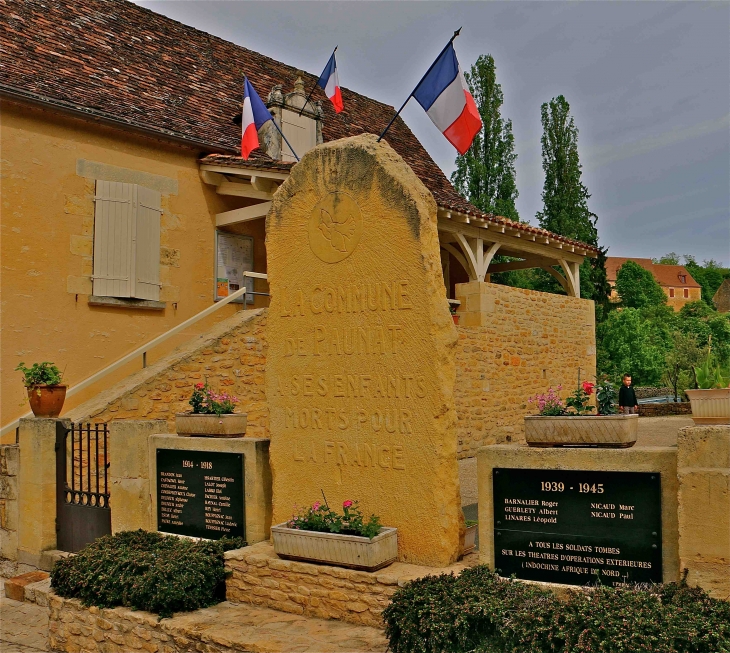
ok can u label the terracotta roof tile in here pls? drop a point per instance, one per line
(114, 58)
(666, 275)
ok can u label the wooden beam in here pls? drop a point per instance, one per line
(534, 262)
(241, 190)
(457, 255)
(212, 178)
(243, 172)
(561, 279)
(263, 184)
(245, 214)
(522, 245)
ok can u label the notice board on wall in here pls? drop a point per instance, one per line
(233, 257)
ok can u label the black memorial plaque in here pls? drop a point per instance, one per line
(570, 527)
(200, 493)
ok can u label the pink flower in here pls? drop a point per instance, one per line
(316, 505)
(347, 504)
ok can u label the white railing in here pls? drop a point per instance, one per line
(142, 351)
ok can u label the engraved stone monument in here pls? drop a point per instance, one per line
(360, 371)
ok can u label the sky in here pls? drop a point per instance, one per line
(648, 85)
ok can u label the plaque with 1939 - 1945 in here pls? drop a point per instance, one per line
(578, 527)
(200, 493)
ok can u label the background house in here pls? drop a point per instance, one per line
(676, 282)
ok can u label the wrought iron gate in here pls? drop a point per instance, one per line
(82, 488)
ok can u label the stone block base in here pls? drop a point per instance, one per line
(260, 577)
(15, 587)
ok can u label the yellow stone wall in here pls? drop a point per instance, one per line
(231, 357)
(513, 344)
(48, 166)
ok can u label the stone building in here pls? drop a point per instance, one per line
(676, 282)
(118, 122)
(721, 298)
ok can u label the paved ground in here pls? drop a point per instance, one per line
(23, 626)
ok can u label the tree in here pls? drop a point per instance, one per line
(668, 259)
(485, 175)
(564, 196)
(679, 361)
(709, 275)
(637, 287)
(631, 343)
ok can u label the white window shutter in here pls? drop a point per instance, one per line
(114, 235)
(147, 277)
(301, 131)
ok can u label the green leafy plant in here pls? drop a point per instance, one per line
(471, 522)
(321, 518)
(580, 397)
(606, 397)
(711, 375)
(145, 570)
(44, 373)
(206, 402)
(478, 611)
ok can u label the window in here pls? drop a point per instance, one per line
(683, 278)
(126, 241)
(671, 292)
(686, 293)
(301, 132)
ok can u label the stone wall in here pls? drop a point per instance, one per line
(231, 357)
(670, 408)
(513, 344)
(259, 577)
(9, 465)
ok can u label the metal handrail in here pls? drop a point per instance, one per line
(144, 348)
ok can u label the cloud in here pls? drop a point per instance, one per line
(603, 155)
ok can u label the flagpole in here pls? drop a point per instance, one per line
(273, 119)
(392, 120)
(315, 85)
(277, 127)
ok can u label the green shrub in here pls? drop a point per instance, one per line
(145, 571)
(478, 612)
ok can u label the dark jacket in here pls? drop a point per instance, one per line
(627, 396)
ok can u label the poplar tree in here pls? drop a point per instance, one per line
(565, 196)
(485, 175)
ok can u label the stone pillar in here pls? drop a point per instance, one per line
(477, 303)
(703, 461)
(131, 496)
(9, 463)
(37, 489)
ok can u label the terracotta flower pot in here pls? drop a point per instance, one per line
(455, 317)
(46, 400)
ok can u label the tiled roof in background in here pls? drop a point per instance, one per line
(666, 275)
(117, 59)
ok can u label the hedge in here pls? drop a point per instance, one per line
(479, 612)
(146, 571)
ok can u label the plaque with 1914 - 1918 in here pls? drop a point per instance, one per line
(200, 493)
(578, 527)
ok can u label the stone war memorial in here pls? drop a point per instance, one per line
(360, 370)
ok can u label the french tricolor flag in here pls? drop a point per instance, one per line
(254, 115)
(330, 82)
(444, 95)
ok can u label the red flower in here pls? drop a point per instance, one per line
(588, 387)
(347, 504)
(199, 386)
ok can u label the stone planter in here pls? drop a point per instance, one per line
(232, 425)
(352, 551)
(710, 406)
(470, 539)
(46, 400)
(588, 430)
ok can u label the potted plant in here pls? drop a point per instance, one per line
(470, 536)
(46, 394)
(212, 415)
(320, 534)
(711, 400)
(572, 422)
(454, 314)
